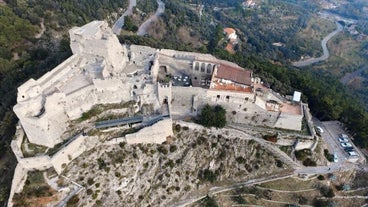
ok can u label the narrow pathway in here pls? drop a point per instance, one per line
(287, 191)
(43, 29)
(142, 30)
(326, 53)
(116, 28)
(272, 148)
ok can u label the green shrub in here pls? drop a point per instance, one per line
(170, 163)
(117, 174)
(207, 175)
(90, 181)
(122, 144)
(271, 138)
(321, 177)
(89, 192)
(240, 160)
(73, 202)
(327, 192)
(309, 162)
(279, 163)
(162, 149)
(213, 116)
(238, 199)
(209, 202)
(302, 154)
(177, 127)
(173, 148)
(187, 188)
(328, 156)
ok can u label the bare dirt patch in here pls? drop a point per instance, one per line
(185, 35)
(157, 29)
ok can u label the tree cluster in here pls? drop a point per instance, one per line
(213, 116)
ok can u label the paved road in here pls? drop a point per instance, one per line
(120, 22)
(326, 53)
(142, 30)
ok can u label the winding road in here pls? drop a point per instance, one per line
(120, 22)
(326, 53)
(142, 30)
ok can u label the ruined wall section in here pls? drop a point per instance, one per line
(67, 154)
(41, 116)
(19, 179)
(97, 38)
(156, 133)
(230, 96)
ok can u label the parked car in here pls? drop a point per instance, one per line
(353, 154)
(319, 130)
(349, 149)
(335, 158)
(345, 144)
(343, 139)
(344, 136)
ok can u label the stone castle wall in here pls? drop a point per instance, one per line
(230, 96)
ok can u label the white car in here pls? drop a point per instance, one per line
(335, 158)
(345, 144)
(319, 130)
(344, 136)
(353, 154)
(343, 139)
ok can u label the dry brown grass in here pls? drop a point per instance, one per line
(184, 35)
(291, 184)
(317, 29)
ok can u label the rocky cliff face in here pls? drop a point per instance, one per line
(189, 163)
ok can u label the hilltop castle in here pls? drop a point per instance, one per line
(102, 71)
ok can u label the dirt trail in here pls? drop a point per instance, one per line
(43, 29)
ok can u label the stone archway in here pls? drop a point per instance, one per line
(203, 67)
(209, 68)
(196, 66)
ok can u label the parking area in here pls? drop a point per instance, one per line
(339, 144)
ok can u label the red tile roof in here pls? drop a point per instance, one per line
(236, 75)
(229, 30)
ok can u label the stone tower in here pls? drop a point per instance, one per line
(96, 38)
